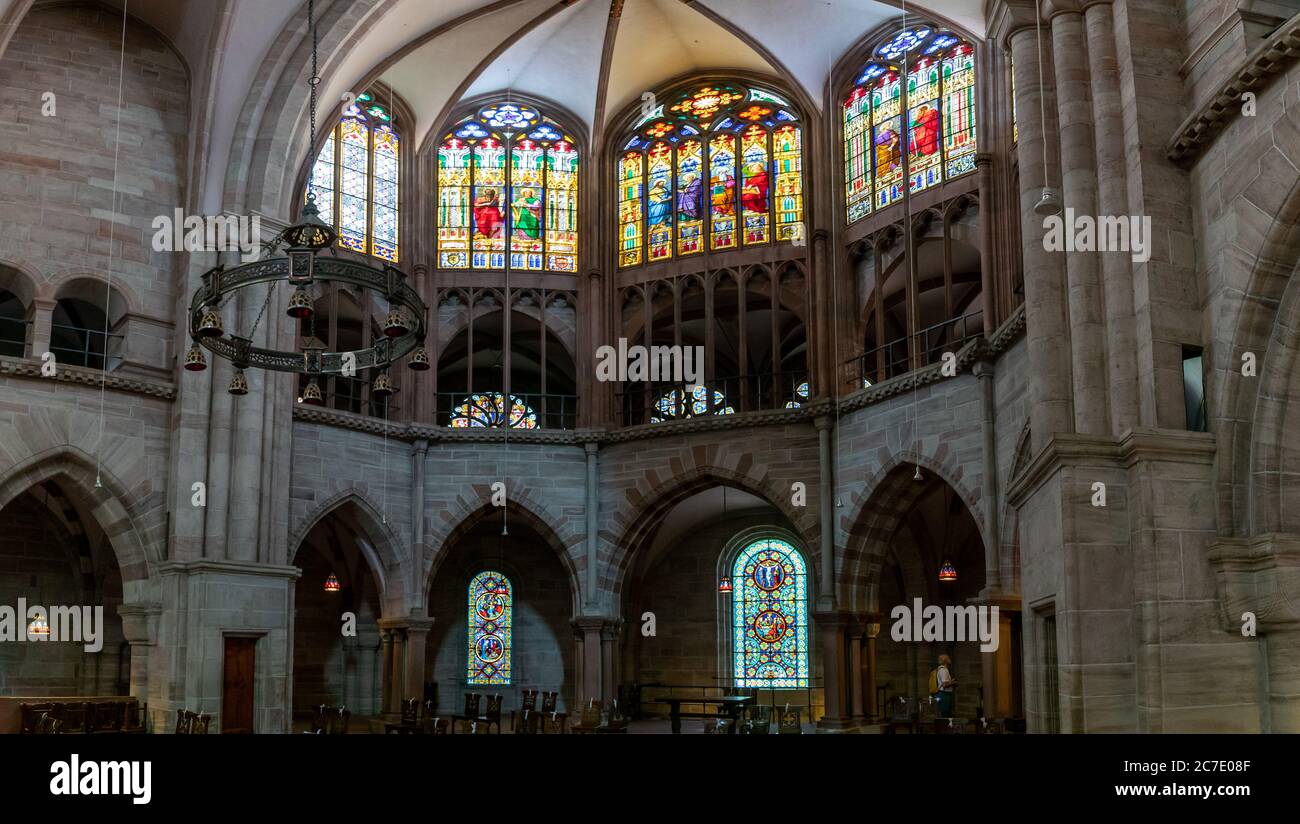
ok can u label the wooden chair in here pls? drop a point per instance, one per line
(528, 704)
(615, 721)
(492, 715)
(182, 722)
(199, 723)
(74, 717)
(31, 715)
(473, 701)
(47, 724)
(589, 721)
(553, 721)
(528, 723)
(407, 723)
(331, 720)
(106, 717)
(791, 722)
(947, 726)
(133, 715)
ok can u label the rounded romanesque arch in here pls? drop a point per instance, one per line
(877, 512)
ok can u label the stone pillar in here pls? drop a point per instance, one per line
(417, 633)
(42, 326)
(855, 672)
(593, 532)
(140, 629)
(1079, 194)
(386, 670)
(873, 710)
(397, 675)
(983, 370)
(579, 668)
(1051, 408)
(830, 626)
(419, 450)
(1112, 199)
(592, 667)
(609, 637)
(826, 493)
(988, 283)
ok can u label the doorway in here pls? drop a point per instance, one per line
(237, 686)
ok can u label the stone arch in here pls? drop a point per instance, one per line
(20, 278)
(558, 532)
(383, 550)
(877, 512)
(102, 497)
(636, 522)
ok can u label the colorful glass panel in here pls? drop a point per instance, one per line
(385, 193)
(677, 404)
(629, 209)
(787, 153)
(659, 202)
(354, 184)
(454, 176)
(756, 189)
(959, 111)
(690, 198)
(722, 191)
(924, 158)
(488, 409)
(562, 207)
(491, 618)
(489, 215)
(857, 157)
(321, 184)
(770, 616)
(526, 218)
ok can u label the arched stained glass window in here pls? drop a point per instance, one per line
(675, 405)
(491, 614)
(533, 198)
(355, 179)
(940, 134)
(721, 164)
(770, 616)
(488, 409)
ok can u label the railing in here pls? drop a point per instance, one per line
(889, 360)
(659, 402)
(552, 411)
(704, 692)
(13, 336)
(91, 349)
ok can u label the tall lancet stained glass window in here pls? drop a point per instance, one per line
(770, 616)
(508, 169)
(719, 166)
(940, 132)
(491, 613)
(355, 179)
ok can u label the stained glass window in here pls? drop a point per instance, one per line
(676, 404)
(491, 610)
(533, 197)
(720, 163)
(355, 179)
(488, 409)
(940, 130)
(800, 396)
(770, 616)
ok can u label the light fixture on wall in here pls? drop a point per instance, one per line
(724, 585)
(947, 572)
(39, 627)
(332, 583)
(917, 476)
(300, 267)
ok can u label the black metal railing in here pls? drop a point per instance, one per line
(79, 346)
(13, 336)
(549, 410)
(669, 401)
(889, 360)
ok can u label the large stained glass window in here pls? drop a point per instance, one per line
(355, 179)
(770, 616)
(491, 613)
(488, 409)
(720, 164)
(531, 197)
(940, 132)
(676, 404)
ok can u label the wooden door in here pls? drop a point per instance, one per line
(237, 689)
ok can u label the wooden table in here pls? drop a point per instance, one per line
(733, 704)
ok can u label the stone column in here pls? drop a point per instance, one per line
(579, 668)
(983, 370)
(1051, 408)
(592, 667)
(140, 629)
(830, 626)
(419, 450)
(397, 676)
(826, 493)
(988, 283)
(1112, 199)
(609, 636)
(386, 671)
(593, 532)
(1079, 194)
(42, 326)
(855, 671)
(873, 711)
(417, 633)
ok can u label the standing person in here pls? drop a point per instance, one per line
(947, 686)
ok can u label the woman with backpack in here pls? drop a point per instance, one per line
(945, 686)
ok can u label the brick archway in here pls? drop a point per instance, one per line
(877, 513)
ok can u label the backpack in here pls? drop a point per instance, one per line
(934, 681)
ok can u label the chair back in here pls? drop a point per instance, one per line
(791, 722)
(527, 723)
(591, 716)
(472, 704)
(133, 715)
(337, 722)
(47, 724)
(549, 701)
(410, 711)
(182, 722)
(493, 712)
(31, 715)
(199, 723)
(528, 701)
(106, 716)
(760, 720)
